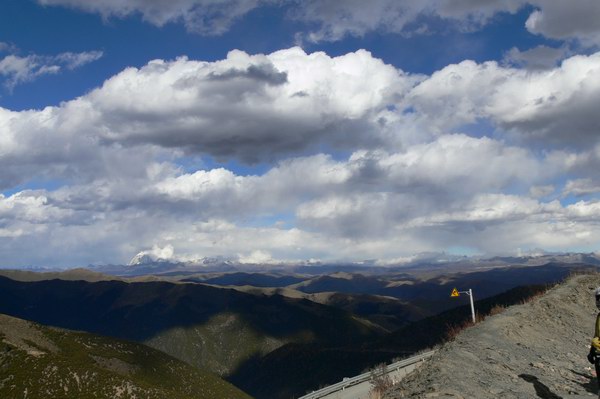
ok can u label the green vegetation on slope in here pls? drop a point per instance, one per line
(43, 362)
(212, 328)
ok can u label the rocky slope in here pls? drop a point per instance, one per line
(534, 350)
(42, 362)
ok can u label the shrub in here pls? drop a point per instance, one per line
(497, 309)
(380, 380)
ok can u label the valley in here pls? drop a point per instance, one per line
(277, 333)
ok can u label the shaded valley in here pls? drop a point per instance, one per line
(270, 339)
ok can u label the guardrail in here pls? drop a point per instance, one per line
(348, 382)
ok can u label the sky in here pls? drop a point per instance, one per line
(268, 131)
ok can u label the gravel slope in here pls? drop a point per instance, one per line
(535, 350)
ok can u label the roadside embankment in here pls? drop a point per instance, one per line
(534, 350)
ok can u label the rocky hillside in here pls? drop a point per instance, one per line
(534, 350)
(43, 362)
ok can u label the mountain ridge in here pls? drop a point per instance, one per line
(189, 321)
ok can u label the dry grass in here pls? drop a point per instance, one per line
(381, 382)
(581, 272)
(534, 296)
(497, 310)
(453, 330)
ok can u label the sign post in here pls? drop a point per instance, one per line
(456, 293)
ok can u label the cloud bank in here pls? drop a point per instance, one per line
(575, 20)
(360, 160)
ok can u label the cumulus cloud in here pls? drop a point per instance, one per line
(577, 20)
(58, 143)
(581, 187)
(541, 191)
(6, 47)
(566, 20)
(356, 18)
(348, 102)
(256, 257)
(336, 19)
(17, 69)
(208, 17)
(540, 57)
(353, 205)
(244, 107)
(157, 253)
(407, 181)
(554, 106)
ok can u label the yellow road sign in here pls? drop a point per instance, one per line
(455, 292)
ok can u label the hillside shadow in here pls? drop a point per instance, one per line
(295, 369)
(432, 294)
(141, 310)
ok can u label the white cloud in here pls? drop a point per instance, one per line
(491, 208)
(208, 17)
(566, 20)
(256, 257)
(185, 107)
(32, 208)
(552, 106)
(157, 253)
(540, 57)
(580, 187)
(541, 191)
(5, 47)
(406, 181)
(281, 103)
(76, 60)
(338, 19)
(574, 20)
(16, 69)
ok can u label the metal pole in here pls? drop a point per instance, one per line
(472, 305)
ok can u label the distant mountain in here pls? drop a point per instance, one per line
(69, 274)
(215, 328)
(42, 362)
(387, 312)
(431, 295)
(253, 279)
(420, 266)
(144, 264)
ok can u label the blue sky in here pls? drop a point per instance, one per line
(334, 131)
(130, 41)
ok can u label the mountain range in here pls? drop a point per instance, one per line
(279, 332)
